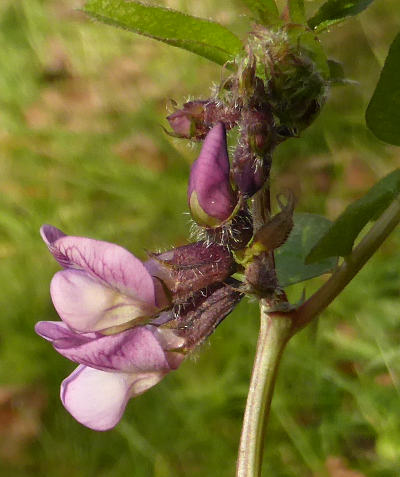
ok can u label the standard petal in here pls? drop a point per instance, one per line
(106, 262)
(97, 399)
(85, 304)
(142, 349)
(210, 194)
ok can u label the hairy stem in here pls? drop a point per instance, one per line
(350, 266)
(274, 334)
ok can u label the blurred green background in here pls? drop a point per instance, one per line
(82, 148)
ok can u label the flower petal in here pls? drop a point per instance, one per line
(50, 234)
(97, 399)
(109, 263)
(57, 331)
(85, 304)
(142, 349)
(210, 194)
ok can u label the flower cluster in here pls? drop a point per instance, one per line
(128, 323)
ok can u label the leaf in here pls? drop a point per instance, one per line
(296, 10)
(337, 76)
(266, 10)
(203, 37)
(339, 239)
(335, 11)
(383, 112)
(290, 258)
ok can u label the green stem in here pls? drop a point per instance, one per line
(350, 266)
(277, 328)
(274, 334)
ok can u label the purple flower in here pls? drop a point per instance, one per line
(112, 368)
(102, 295)
(210, 195)
(102, 285)
(114, 309)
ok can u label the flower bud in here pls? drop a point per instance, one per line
(276, 231)
(252, 161)
(197, 319)
(187, 122)
(196, 118)
(188, 269)
(210, 195)
(249, 171)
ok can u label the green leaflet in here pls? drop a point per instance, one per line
(290, 258)
(266, 11)
(339, 239)
(335, 11)
(203, 37)
(383, 112)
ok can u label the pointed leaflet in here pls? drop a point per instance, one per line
(339, 239)
(266, 10)
(335, 11)
(204, 37)
(290, 258)
(383, 112)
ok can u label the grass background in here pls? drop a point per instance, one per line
(81, 147)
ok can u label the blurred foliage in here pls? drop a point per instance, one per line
(81, 147)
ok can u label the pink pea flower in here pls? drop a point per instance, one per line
(102, 295)
(113, 308)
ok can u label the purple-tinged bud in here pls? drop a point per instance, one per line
(185, 270)
(210, 195)
(250, 172)
(196, 118)
(252, 161)
(258, 130)
(197, 319)
(187, 122)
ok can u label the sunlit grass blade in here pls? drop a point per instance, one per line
(203, 37)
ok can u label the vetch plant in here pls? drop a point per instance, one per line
(127, 323)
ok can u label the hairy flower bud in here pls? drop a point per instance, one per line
(188, 269)
(252, 161)
(210, 195)
(197, 319)
(196, 118)
(276, 231)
